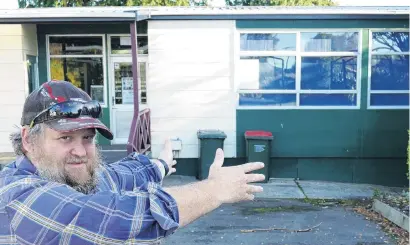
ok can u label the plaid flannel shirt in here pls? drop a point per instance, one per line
(130, 206)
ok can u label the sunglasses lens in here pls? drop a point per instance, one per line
(70, 110)
(94, 109)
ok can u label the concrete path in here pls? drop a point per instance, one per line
(299, 189)
(276, 188)
(337, 226)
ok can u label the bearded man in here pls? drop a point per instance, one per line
(59, 191)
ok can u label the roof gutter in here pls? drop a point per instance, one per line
(62, 17)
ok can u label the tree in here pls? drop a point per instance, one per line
(79, 3)
(280, 2)
(88, 3)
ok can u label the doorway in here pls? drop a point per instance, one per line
(122, 95)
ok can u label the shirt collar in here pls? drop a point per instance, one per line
(23, 163)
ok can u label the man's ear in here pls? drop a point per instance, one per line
(25, 141)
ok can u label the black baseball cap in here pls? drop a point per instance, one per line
(53, 92)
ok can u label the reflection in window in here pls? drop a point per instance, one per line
(389, 99)
(79, 60)
(328, 99)
(254, 99)
(85, 73)
(329, 73)
(389, 69)
(76, 45)
(122, 45)
(276, 72)
(390, 72)
(334, 68)
(268, 42)
(390, 42)
(330, 41)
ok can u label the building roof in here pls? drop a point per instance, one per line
(80, 14)
(98, 14)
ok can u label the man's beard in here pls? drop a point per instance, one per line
(52, 169)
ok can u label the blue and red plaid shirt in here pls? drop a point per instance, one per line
(130, 206)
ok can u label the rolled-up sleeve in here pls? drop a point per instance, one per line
(43, 212)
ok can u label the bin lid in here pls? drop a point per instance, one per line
(211, 134)
(258, 134)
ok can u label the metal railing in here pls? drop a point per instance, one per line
(139, 139)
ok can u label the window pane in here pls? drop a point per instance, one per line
(267, 99)
(268, 42)
(85, 73)
(383, 42)
(276, 72)
(122, 45)
(142, 27)
(389, 99)
(328, 99)
(390, 72)
(124, 83)
(330, 41)
(329, 73)
(76, 45)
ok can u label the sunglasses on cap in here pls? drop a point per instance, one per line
(68, 109)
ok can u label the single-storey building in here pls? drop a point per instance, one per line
(330, 83)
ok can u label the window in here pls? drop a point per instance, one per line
(389, 70)
(79, 60)
(121, 44)
(32, 72)
(300, 69)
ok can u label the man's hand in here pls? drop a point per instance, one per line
(232, 183)
(224, 185)
(168, 157)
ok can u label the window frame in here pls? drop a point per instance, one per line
(103, 56)
(299, 54)
(109, 36)
(369, 72)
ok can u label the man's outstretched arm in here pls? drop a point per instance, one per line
(224, 185)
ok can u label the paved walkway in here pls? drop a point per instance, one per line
(277, 188)
(299, 189)
(321, 225)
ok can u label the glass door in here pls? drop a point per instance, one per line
(122, 95)
(32, 72)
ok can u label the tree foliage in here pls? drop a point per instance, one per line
(280, 2)
(81, 3)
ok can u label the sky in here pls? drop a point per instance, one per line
(10, 4)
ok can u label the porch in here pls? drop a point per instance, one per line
(106, 66)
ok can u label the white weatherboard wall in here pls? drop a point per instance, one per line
(190, 82)
(16, 41)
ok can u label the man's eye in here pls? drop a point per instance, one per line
(65, 138)
(89, 137)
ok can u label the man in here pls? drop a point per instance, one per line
(58, 191)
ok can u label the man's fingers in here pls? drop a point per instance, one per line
(252, 166)
(249, 197)
(219, 158)
(254, 188)
(254, 178)
(167, 144)
(174, 162)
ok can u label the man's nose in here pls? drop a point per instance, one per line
(79, 150)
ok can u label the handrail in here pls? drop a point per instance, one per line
(139, 139)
